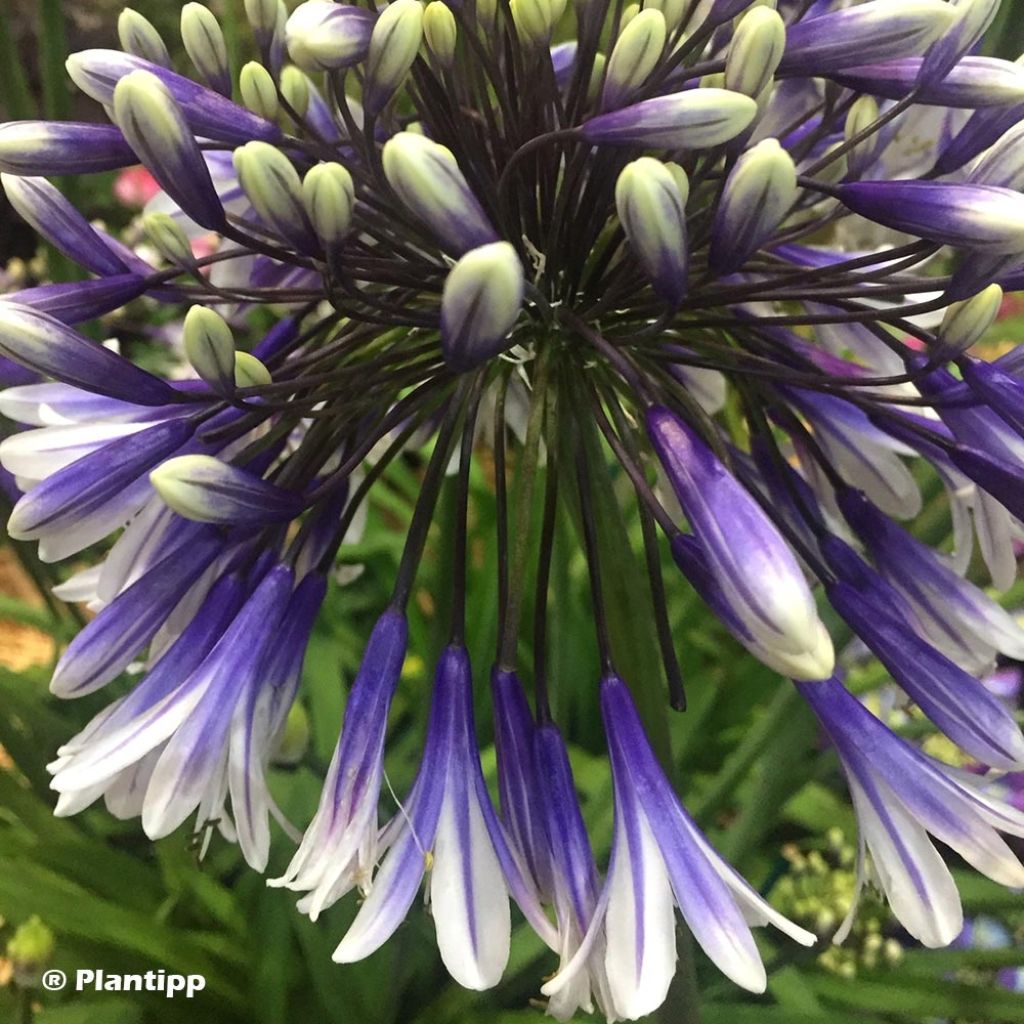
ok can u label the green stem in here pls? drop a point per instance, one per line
(527, 476)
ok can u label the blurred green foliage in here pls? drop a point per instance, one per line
(746, 756)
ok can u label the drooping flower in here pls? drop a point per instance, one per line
(659, 860)
(740, 254)
(902, 797)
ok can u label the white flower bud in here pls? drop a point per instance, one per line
(440, 32)
(635, 55)
(965, 323)
(755, 51)
(250, 372)
(295, 86)
(863, 113)
(394, 44)
(650, 208)
(324, 36)
(480, 304)
(672, 11)
(329, 197)
(139, 37)
(204, 43)
(258, 90)
(272, 185)
(210, 347)
(166, 235)
(535, 20)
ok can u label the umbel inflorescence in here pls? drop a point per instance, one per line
(802, 213)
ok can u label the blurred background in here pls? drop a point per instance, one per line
(94, 892)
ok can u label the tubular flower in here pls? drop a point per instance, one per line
(732, 257)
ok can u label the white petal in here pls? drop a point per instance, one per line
(920, 889)
(468, 894)
(639, 926)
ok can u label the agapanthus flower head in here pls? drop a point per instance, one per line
(731, 259)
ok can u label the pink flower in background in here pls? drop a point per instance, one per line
(135, 186)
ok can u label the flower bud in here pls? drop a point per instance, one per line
(879, 30)
(272, 185)
(1003, 163)
(204, 489)
(862, 115)
(29, 950)
(440, 32)
(155, 128)
(258, 90)
(755, 51)
(295, 88)
(535, 20)
(267, 19)
(42, 343)
(48, 211)
(293, 740)
(139, 36)
(210, 347)
(747, 568)
(165, 234)
(629, 12)
(635, 55)
(329, 197)
(965, 323)
(57, 147)
(694, 119)
(672, 11)
(651, 211)
(974, 217)
(759, 192)
(679, 176)
(394, 44)
(204, 43)
(971, 83)
(209, 115)
(482, 297)
(428, 181)
(324, 36)
(486, 16)
(250, 371)
(973, 18)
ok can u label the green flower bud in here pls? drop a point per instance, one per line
(758, 195)
(535, 20)
(138, 36)
(394, 44)
(635, 55)
(681, 180)
(671, 10)
(863, 113)
(267, 19)
(166, 235)
(210, 347)
(295, 88)
(965, 323)
(755, 51)
(629, 12)
(293, 741)
(204, 43)
(250, 372)
(329, 197)
(650, 210)
(157, 131)
(259, 92)
(30, 949)
(272, 185)
(487, 16)
(440, 32)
